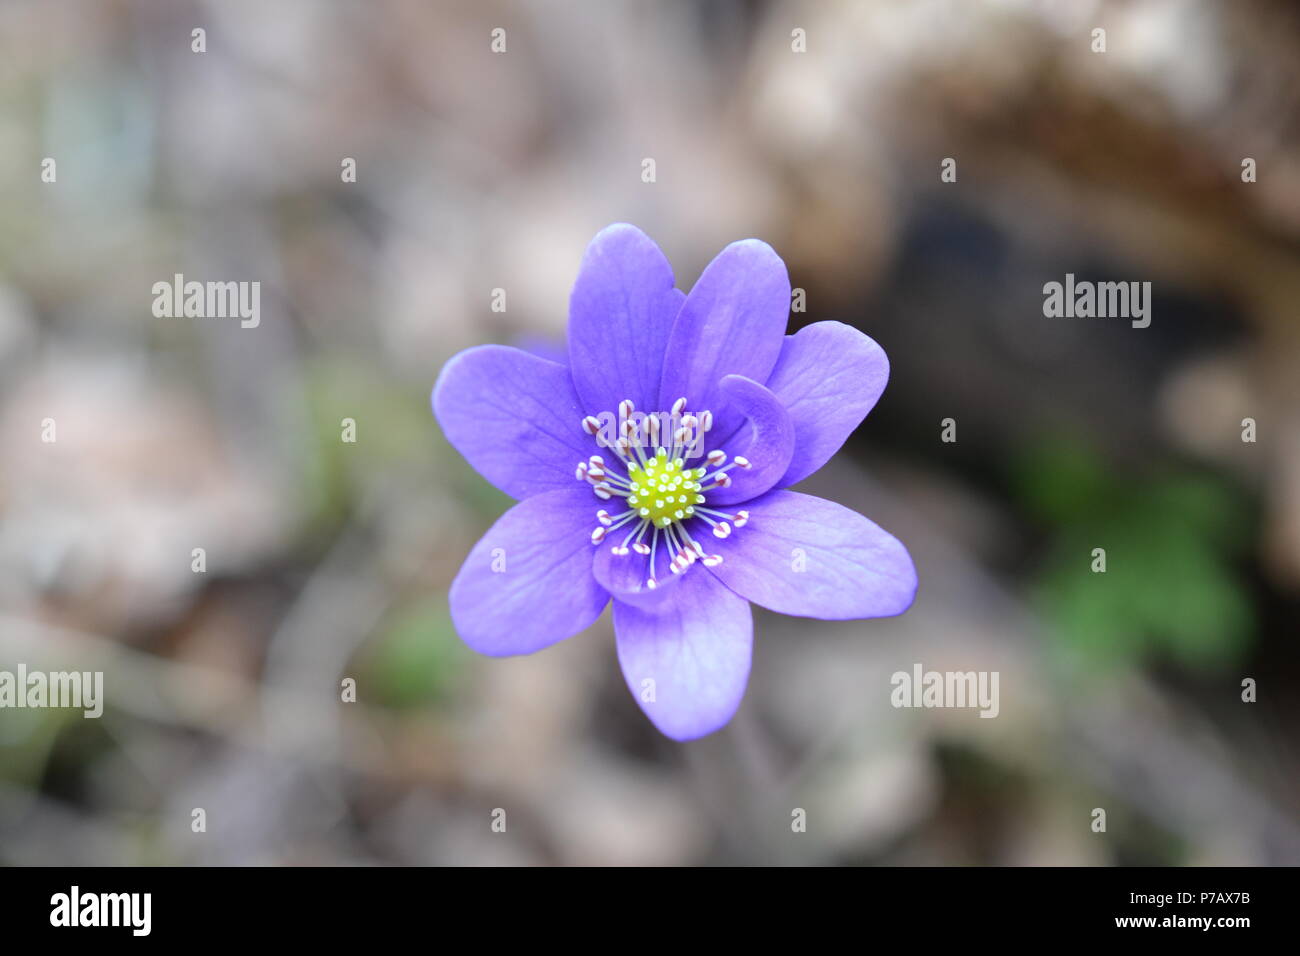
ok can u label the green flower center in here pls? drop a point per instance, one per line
(664, 492)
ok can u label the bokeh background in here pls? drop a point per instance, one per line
(477, 171)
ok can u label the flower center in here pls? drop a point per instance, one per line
(664, 491)
(665, 498)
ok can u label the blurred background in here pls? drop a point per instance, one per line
(478, 170)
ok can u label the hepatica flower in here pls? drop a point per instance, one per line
(650, 471)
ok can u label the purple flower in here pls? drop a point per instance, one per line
(650, 470)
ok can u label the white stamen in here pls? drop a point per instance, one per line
(597, 535)
(622, 519)
(634, 533)
(721, 529)
(654, 544)
(679, 405)
(591, 425)
(742, 462)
